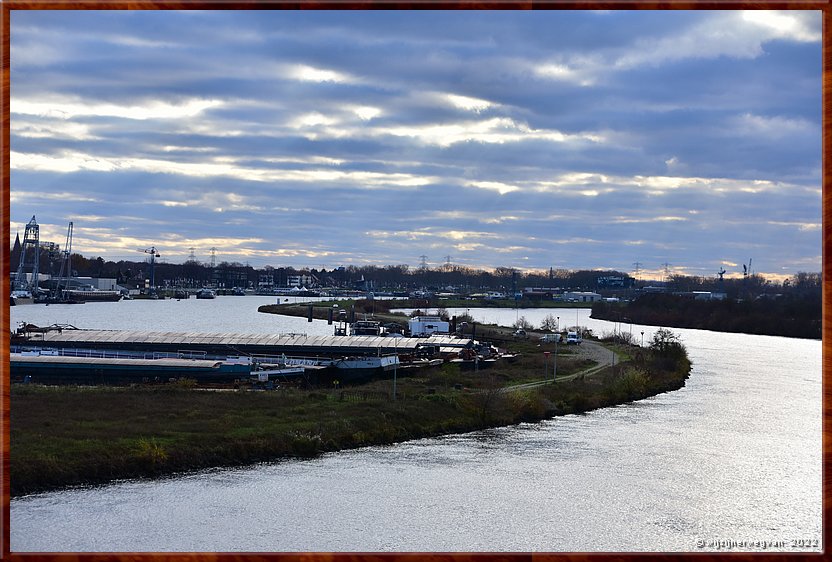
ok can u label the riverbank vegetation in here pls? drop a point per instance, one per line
(793, 315)
(63, 436)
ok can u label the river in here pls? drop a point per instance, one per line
(735, 456)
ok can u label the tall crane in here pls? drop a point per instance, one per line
(153, 255)
(31, 243)
(66, 265)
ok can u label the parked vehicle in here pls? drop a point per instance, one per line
(520, 334)
(573, 338)
(551, 338)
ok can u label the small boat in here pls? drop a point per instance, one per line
(206, 294)
(350, 368)
(365, 328)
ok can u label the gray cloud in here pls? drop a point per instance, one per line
(564, 139)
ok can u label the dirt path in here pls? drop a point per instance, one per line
(587, 350)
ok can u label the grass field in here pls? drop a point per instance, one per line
(62, 436)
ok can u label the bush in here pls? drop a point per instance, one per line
(550, 323)
(632, 385)
(523, 324)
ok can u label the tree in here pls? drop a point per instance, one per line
(667, 349)
(523, 324)
(550, 323)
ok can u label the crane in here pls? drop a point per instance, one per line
(66, 266)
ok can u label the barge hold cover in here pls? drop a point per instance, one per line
(293, 344)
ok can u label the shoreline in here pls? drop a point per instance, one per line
(68, 436)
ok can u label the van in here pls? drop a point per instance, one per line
(573, 338)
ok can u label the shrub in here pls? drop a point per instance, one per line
(550, 323)
(523, 324)
(150, 454)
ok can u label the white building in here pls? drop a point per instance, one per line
(581, 296)
(301, 280)
(427, 325)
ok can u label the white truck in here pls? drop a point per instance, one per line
(573, 338)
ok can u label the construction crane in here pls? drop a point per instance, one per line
(31, 242)
(66, 265)
(153, 255)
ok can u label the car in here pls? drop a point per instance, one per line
(520, 334)
(550, 338)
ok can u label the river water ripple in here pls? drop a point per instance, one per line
(733, 456)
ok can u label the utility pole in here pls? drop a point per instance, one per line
(666, 271)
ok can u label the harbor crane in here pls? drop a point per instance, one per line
(30, 249)
(65, 275)
(154, 253)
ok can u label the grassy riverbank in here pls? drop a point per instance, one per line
(63, 436)
(787, 316)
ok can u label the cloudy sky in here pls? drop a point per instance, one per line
(517, 139)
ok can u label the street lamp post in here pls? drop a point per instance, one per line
(557, 339)
(555, 372)
(395, 365)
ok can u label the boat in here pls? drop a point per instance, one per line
(365, 328)
(206, 294)
(358, 367)
(79, 295)
(21, 297)
(48, 367)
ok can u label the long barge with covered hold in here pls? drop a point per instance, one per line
(345, 358)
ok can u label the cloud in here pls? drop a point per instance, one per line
(570, 139)
(152, 109)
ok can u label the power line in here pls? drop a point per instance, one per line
(666, 272)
